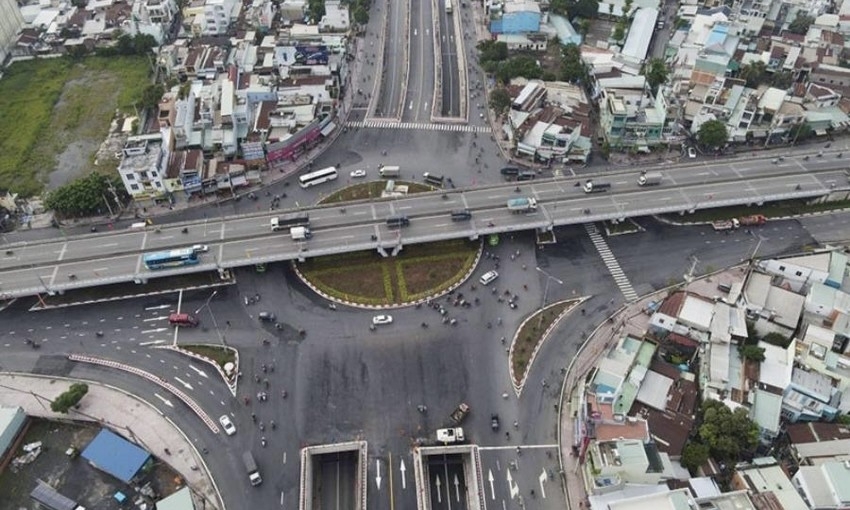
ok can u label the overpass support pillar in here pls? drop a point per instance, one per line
(397, 249)
(382, 251)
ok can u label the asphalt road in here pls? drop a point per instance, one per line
(346, 382)
(420, 85)
(396, 58)
(450, 76)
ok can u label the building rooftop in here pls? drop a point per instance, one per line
(771, 478)
(678, 499)
(813, 432)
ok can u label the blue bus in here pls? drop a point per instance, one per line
(171, 258)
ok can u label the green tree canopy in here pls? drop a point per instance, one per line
(492, 51)
(801, 24)
(500, 100)
(70, 398)
(151, 96)
(754, 73)
(585, 9)
(315, 10)
(752, 352)
(777, 339)
(361, 15)
(85, 196)
(727, 434)
(656, 74)
(713, 134)
(572, 69)
(694, 455)
(523, 65)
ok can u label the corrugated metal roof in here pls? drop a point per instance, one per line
(115, 455)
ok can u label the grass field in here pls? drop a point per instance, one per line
(46, 105)
(420, 270)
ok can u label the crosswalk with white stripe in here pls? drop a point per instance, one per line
(424, 126)
(611, 262)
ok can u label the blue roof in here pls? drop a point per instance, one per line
(115, 455)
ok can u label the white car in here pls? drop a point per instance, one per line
(358, 173)
(200, 248)
(227, 425)
(382, 319)
(488, 277)
(692, 153)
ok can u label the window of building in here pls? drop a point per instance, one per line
(799, 273)
(131, 177)
(782, 268)
(134, 187)
(153, 173)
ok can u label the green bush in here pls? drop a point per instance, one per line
(70, 398)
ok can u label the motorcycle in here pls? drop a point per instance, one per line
(263, 442)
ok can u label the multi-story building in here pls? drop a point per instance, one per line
(11, 21)
(217, 16)
(144, 163)
(628, 115)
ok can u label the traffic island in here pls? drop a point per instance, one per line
(418, 273)
(530, 336)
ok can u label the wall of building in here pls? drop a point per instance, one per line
(10, 22)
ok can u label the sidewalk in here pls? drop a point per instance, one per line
(123, 413)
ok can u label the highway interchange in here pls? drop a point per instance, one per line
(346, 382)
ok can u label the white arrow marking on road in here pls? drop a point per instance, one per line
(164, 400)
(541, 479)
(513, 488)
(157, 330)
(439, 491)
(403, 477)
(457, 490)
(155, 342)
(378, 477)
(158, 307)
(490, 479)
(184, 383)
(158, 318)
(199, 371)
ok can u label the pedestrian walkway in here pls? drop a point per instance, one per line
(123, 413)
(611, 263)
(424, 126)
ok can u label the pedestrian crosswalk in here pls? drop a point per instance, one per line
(424, 126)
(611, 262)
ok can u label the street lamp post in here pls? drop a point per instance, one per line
(549, 279)
(212, 316)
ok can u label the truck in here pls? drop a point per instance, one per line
(460, 412)
(596, 187)
(522, 204)
(281, 223)
(649, 179)
(725, 224)
(753, 220)
(450, 435)
(251, 468)
(300, 233)
(388, 172)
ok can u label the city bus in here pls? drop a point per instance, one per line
(171, 258)
(448, 6)
(318, 177)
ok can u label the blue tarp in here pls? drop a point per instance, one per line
(115, 455)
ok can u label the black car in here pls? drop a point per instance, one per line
(267, 316)
(494, 421)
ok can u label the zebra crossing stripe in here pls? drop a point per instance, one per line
(383, 124)
(611, 263)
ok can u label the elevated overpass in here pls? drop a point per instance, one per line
(115, 257)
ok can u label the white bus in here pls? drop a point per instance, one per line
(448, 6)
(318, 177)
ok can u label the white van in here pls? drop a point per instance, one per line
(488, 277)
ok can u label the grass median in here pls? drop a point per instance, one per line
(531, 334)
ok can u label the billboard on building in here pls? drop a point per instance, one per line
(311, 55)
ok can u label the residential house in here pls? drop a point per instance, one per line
(516, 17)
(144, 163)
(218, 15)
(336, 18)
(768, 484)
(774, 375)
(825, 486)
(629, 116)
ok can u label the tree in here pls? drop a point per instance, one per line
(801, 132)
(754, 73)
(361, 15)
(559, 6)
(492, 51)
(523, 65)
(752, 352)
(619, 32)
(694, 455)
(585, 9)
(70, 398)
(500, 100)
(777, 339)
(656, 74)
(572, 69)
(713, 134)
(801, 24)
(151, 96)
(85, 196)
(315, 10)
(584, 27)
(627, 8)
(782, 80)
(727, 434)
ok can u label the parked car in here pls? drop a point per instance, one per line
(382, 319)
(692, 153)
(267, 317)
(227, 425)
(358, 173)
